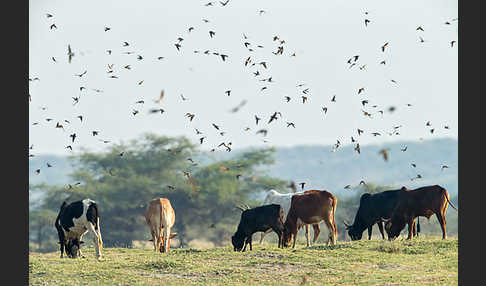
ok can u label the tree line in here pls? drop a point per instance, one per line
(124, 178)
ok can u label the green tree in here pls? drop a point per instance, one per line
(126, 177)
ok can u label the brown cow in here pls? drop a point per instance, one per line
(424, 201)
(160, 217)
(312, 207)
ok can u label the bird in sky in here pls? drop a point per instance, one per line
(290, 124)
(161, 96)
(190, 116)
(257, 119)
(81, 74)
(384, 153)
(384, 46)
(70, 54)
(156, 110)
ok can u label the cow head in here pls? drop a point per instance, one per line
(394, 226)
(287, 237)
(353, 232)
(237, 242)
(72, 247)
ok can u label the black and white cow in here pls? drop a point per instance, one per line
(73, 221)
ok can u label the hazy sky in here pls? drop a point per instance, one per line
(323, 34)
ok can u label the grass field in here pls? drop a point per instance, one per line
(422, 261)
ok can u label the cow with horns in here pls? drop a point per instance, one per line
(424, 201)
(73, 221)
(373, 208)
(274, 197)
(257, 219)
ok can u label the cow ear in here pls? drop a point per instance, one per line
(403, 189)
(81, 242)
(172, 235)
(150, 240)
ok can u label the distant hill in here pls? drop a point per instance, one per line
(322, 169)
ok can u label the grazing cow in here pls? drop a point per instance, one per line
(372, 209)
(311, 207)
(274, 197)
(160, 217)
(424, 201)
(74, 221)
(258, 219)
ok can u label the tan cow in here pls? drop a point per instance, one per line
(160, 217)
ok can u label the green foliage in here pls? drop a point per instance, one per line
(126, 177)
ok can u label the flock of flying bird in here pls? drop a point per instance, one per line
(255, 66)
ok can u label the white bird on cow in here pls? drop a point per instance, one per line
(284, 200)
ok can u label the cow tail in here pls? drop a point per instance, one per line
(58, 225)
(447, 197)
(61, 209)
(97, 226)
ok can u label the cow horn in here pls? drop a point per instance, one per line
(240, 208)
(347, 225)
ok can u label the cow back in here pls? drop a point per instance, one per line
(311, 206)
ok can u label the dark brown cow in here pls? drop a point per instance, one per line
(424, 201)
(312, 207)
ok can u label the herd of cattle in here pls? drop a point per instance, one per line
(284, 214)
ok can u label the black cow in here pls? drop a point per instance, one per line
(73, 221)
(260, 218)
(373, 208)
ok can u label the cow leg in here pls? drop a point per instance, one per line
(332, 231)
(63, 245)
(166, 239)
(380, 227)
(263, 235)
(370, 228)
(307, 235)
(317, 230)
(442, 222)
(96, 240)
(98, 231)
(410, 227)
(250, 239)
(244, 247)
(414, 229)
